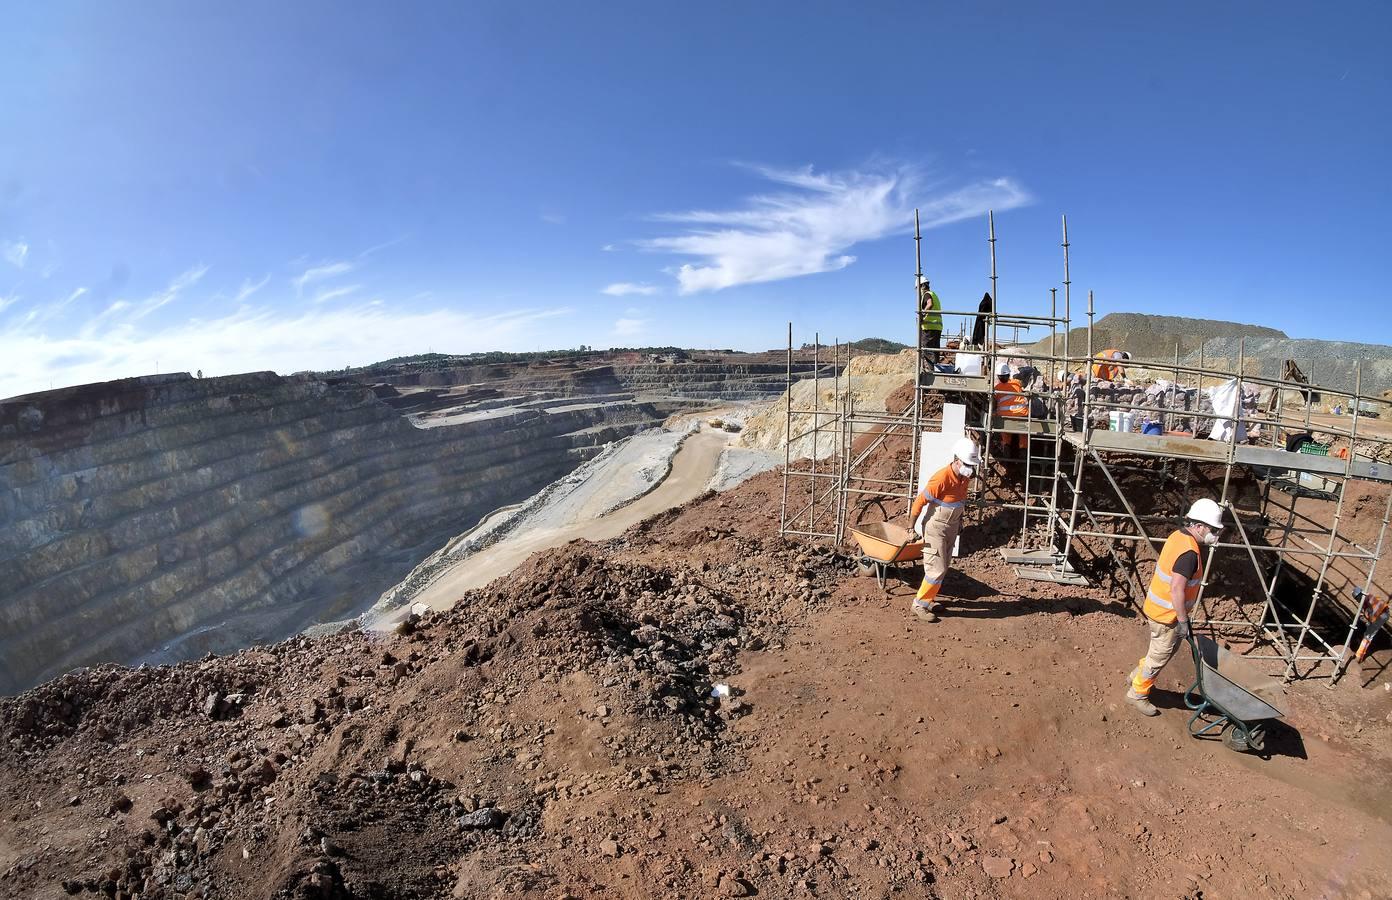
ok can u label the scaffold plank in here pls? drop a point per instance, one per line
(1202, 450)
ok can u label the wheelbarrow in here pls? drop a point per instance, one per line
(884, 544)
(1221, 705)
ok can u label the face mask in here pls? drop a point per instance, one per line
(1210, 537)
(964, 470)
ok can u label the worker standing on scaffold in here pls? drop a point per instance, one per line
(929, 320)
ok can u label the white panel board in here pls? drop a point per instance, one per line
(935, 447)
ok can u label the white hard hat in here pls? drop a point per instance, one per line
(1206, 511)
(965, 450)
(1121, 354)
(1004, 369)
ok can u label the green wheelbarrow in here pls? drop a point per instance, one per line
(1221, 706)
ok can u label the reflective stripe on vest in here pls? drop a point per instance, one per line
(1161, 601)
(1159, 605)
(1009, 402)
(945, 504)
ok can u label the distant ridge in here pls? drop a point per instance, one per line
(1218, 345)
(1155, 337)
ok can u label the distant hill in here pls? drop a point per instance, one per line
(1332, 364)
(1218, 345)
(1155, 337)
(878, 345)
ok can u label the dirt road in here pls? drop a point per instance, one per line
(692, 467)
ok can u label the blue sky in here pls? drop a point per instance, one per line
(307, 185)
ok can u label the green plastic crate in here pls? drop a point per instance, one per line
(1314, 449)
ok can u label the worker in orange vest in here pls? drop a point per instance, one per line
(937, 516)
(1012, 402)
(1108, 366)
(1375, 613)
(1173, 590)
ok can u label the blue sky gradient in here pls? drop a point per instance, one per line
(312, 185)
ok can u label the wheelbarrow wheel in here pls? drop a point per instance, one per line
(1234, 739)
(865, 566)
(1256, 738)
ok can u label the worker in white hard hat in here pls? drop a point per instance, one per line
(937, 516)
(930, 323)
(1011, 402)
(1173, 590)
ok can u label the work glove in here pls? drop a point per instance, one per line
(1184, 631)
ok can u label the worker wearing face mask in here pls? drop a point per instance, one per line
(1173, 590)
(937, 516)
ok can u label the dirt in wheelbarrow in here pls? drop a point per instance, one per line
(554, 735)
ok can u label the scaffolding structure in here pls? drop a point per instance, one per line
(1091, 497)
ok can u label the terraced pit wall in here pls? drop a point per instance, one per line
(697, 381)
(165, 516)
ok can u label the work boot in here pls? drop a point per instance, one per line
(1141, 704)
(924, 613)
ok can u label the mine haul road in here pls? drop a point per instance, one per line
(693, 466)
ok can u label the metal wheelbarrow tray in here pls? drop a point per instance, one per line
(1215, 697)
(883, 544)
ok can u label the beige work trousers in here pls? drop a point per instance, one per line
(939, 536)
(1164, 642)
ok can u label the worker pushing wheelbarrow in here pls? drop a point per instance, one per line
(937, 517)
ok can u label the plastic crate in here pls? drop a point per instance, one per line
(1314, 449)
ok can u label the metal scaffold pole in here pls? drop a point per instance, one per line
(787, 434)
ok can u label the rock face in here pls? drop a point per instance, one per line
(214, 513)
(1329, 364)
(697, 380)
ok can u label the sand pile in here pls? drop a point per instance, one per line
(870, 379)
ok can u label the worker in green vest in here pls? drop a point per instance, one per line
(929, 319)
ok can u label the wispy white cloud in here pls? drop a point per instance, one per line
(14, 252)
(250, 340)
(376, 248)
(629, 327)
(327, 294)
(609, 248)
(321, 272)
(809, 228)
(625, 288)
(183, 282)
(248, 288)
(553, 218)
(8, 301)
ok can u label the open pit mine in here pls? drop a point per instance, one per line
(554, 630)
(161, 518)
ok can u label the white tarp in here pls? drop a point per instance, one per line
(1227, 402)
(935, 447)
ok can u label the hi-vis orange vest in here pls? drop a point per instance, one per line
(1107, 369)
(1158, 605)
(1009, 399)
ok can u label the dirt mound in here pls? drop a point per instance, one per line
(871, 378)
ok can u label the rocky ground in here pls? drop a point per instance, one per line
(554, 736)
